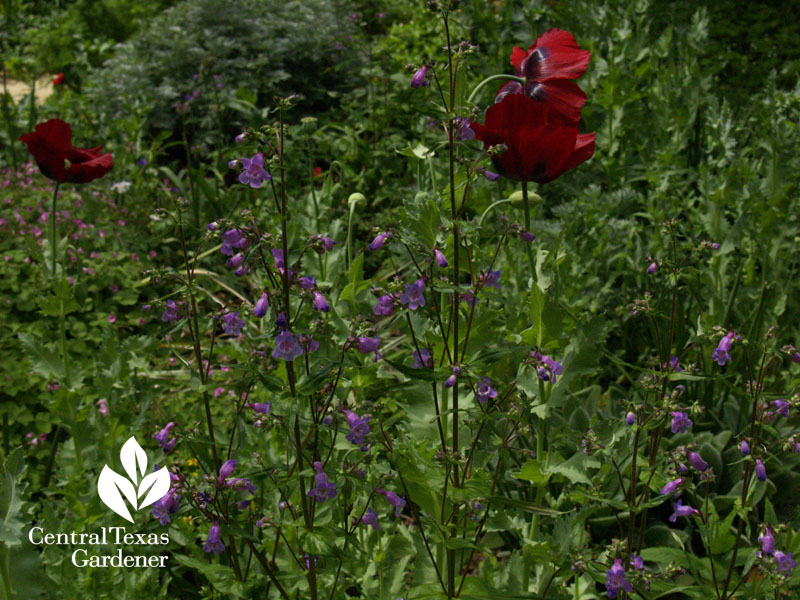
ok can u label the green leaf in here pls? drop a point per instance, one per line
(575, 468)
(220, 576)
(61, 302)
(12, 515)
(531, 471)
(421, 218)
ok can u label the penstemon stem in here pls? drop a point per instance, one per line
(492, 78)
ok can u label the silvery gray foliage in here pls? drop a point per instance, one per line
(272, 47)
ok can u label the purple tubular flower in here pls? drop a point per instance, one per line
(170, 313)
(233, 238)
(440, 258)
(491, 278)
(371, 518)
(761, 470)
(254, 173)
(232, 324)
(781, 407)
(682, 511)
(324, 489)
(214, 543)
(485, 391)
(319, 302)
(162, 436)
(367, 345)
(637, 562)
(286, 347)
(420, 78)
(785, 562)
(652, 268)
(453, 379)
(359, 427)
(235, 261)
(260, 408)
(424, 360)
(380, 240)
(630, 418)
(491, 176)
(166, 506)
(616, 581)
(721, 352)
(696, 461)
(226, 470)
(680, 422)
(394, 500)
(463, 130)
(240, 138)
(767, 541)
(744, 448)
(414, 296)
(240, 484)
(671, 486)
(262, 306)
(277, 256)
(526, 236)
(307, 282)
(385, 306)
(328, 243)
(675, 364)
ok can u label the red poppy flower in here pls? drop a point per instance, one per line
(542, 145)
(548, 68)
(51, 146)
(58, 79)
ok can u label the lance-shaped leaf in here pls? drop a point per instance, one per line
(131, 454)
(158, 484)
(109, 485)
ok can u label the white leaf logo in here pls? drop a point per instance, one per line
(112, 487)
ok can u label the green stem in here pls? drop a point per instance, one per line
(52, 232)
(492, 78)
(526, 207)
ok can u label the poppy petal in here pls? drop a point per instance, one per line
(560, 56)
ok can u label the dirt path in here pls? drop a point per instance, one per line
(19, 89)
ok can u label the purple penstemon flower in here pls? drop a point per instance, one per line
(784, 562)
(761, 470)
(414, 296)
(232, 239)
(696, 461)
(397, 501)
(380, 240)
(226, 470)
(652, 268)
(721, 354)
(170, 313)
(370, 518)
(359, 427)
(630, 418)
(616, 580)
(490, 278)
(214, 542)
(484, 391)
(319, 303)
(781, 407)
(277, 256)
(162, 437)
(462, 129)
(671, 486)
(286, 347)
(167, 505)
(441, 260)
(423, 360)
(679, 510)
(254, 173)
(453, 379)
(262, 306)
(680, 422)
(324, 489)
(235, 261)
(420, 78)
(385, 306)
(767, 541)
(259, 407)
(744, 447)
(307, 282)
(366, 345)
(232, 324)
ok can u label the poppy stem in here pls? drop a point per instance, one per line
(526, 207)
(52, 226)
(492, 78)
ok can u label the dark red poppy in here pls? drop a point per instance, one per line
(51, 146)
(58, 79)
(548, 68)
(542, 144)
